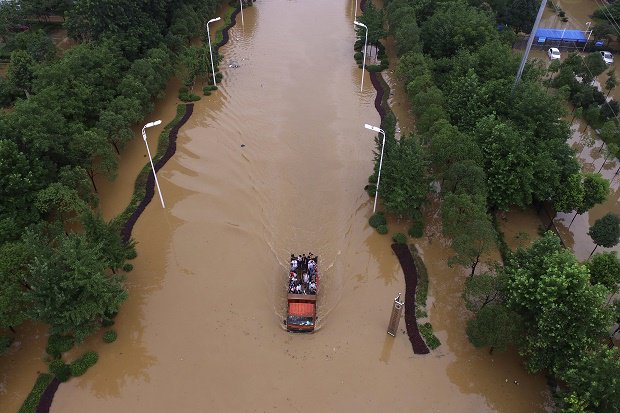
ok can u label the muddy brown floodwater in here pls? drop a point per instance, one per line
(202, 328)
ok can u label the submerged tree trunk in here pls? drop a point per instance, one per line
(595, 247)
(91, 175)
(573, 220)
(473, 267)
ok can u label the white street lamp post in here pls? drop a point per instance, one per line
(210, 52)
(376, 129)
(241, 4)
(148, 125)
(365, 42)
(589, 33)
(355, 15)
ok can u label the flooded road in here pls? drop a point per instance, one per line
(275, 162)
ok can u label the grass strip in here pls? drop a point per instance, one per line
(432, 341)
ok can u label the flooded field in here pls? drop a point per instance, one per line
(275, 162)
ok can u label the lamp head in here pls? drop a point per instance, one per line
(355, 22)
(151, 124)
(214, 20)
(374, 128)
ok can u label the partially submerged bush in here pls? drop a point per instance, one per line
(109, 336)
(86, 361)
(59, 369)
(416, 230)
(5, 343)
(399, 238)
(377, 220)
(382, 229)
(371, 189)
(57, 344)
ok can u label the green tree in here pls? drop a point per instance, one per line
(115, 252)
(465, 177)
(465, 220)
(571, 195)
(605, 270)
(117, 118)
(449, 146)
(20, 178)
(508, 164)
(593, 66)
(92, 151)
(564, 315)
(10, 15)
(21, 71)
(456, 25)
(605, 231)
(36, 42)
(594, 378)
(480, 291)
(611, 82)
(59, 202)
(404, 183)
(373, 19)
(13, 299)
(596, 191)
(70, 289)
(494, 326)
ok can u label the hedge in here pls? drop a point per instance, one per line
(32, 401)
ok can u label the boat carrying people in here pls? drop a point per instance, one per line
(302, 288)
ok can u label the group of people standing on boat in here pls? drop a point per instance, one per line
(303, 274)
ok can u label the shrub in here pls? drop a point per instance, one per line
(32, 401)
(5, 343)
(372, 179)
(218, 76)
(382, 229)
(376, 220)
(59, 369)
(57, 344)
(371, 189)
(416, 230)
(432, 341)
(358, 56)
(107, 322)
(399, 238)
(127, 267)
(86, 361)
(186, 96)
(373, 68)
(109, 336)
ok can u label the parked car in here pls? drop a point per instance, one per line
(607, 57)
(553, 53)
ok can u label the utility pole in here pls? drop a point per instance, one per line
(529, 43)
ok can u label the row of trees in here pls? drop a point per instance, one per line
(69, 116)
(492, 147)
